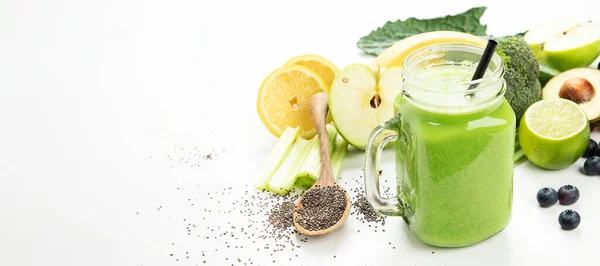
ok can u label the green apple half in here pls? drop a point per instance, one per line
(360, 99)
(565, 44)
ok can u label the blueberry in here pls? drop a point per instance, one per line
(591, 149)
(592, 166)
(569, 219)
(547, 197)
(568, 195)
(597, 151)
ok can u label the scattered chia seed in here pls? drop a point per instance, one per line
(227, 219)
(190, 154)
(208, 156)
(322, 208)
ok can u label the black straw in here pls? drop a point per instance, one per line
(484, 62)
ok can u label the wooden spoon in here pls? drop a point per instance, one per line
(318, 110)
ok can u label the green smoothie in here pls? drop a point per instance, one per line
(455, 165)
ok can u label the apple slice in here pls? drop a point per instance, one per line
(565, 44)
(537, 36)
(360, 99)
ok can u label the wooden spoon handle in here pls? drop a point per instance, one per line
(318, 110)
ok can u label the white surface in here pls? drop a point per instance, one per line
(95, 94)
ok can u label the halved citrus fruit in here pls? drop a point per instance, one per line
(554, 133)
(284, 99)
(317, 64)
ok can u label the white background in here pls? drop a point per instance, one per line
(94, 95)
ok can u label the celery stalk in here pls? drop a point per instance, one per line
(311, 162)
(283, 179)
(275, 157)
(339, 152)
(304, 182)
(310, 166)
(309, 171)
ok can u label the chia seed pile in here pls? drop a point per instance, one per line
(281, 215)
(323, 207)
(368, 214)
(362, 210)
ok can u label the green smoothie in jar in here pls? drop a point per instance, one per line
(454, 148)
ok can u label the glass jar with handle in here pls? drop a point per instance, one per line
(454, 145)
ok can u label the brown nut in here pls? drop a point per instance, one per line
(578, 90)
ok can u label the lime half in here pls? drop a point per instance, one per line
(554, 133)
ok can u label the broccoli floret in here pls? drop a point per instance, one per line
(521, 71)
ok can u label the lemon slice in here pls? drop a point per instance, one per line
(317, 64)
(554, 133)
(284, 99)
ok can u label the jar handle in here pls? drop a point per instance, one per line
(378, 139)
